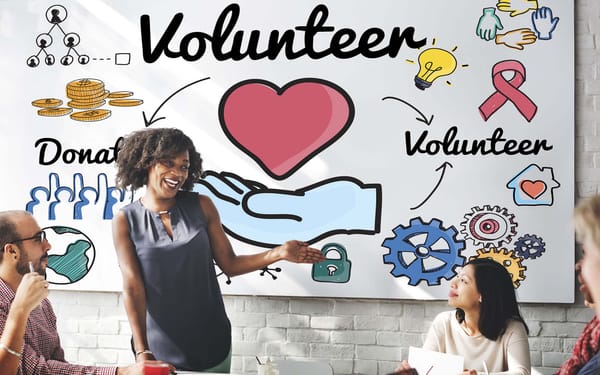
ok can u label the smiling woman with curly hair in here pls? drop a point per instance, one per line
(144, 148)
(167, 244)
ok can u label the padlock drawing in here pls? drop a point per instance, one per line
(334, 269)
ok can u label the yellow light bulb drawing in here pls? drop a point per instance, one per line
(434, 63)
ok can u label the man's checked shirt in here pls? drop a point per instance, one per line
(41, 353)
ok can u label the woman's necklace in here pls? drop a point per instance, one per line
(160, 213)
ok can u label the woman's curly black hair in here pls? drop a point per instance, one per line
(142, 149)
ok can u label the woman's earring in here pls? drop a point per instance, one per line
(480, 300)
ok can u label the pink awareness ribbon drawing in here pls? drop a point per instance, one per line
(508, 90)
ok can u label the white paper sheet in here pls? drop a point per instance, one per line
(428, 362)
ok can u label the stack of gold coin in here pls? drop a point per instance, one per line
(86, 93)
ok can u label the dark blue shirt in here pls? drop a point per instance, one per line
(186, 321)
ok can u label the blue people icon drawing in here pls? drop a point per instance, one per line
(71, 257)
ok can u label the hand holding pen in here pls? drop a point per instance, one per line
(404, 369)
(31, 291)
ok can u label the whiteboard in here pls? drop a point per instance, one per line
(401, 138)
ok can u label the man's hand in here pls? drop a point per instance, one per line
(31, 291)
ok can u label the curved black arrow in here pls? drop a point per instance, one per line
(443, 168)
(423, 118)
(152, 119)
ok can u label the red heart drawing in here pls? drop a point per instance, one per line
(533, 188)
(283, 128)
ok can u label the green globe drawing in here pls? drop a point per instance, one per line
(71, 256)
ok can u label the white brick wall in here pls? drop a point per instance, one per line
(356, 336)
(359, 336)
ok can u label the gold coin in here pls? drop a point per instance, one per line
(54, 112)
(79, 95)
(119, 94)
(125, 102)
(47, 102)
(90, 105)
(96, 98)
(91, 115)
(84, 84)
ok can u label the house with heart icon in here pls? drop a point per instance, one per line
(533, 186)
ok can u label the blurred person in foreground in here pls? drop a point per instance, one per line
(587, 227)
(588, 343)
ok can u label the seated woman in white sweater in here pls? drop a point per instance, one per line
(486, 326)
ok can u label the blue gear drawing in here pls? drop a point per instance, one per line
(530, 246)
(424, 252)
